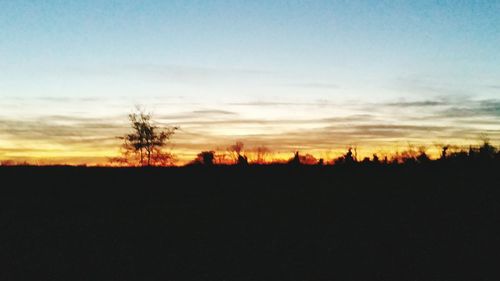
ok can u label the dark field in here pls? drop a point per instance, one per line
(428, 222)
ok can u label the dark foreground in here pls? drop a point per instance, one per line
(258, 223)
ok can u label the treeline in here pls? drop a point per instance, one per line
(261, 155)
(235, 155)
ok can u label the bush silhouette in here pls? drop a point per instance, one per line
(205, 158)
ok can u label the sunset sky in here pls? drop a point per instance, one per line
(315, 76)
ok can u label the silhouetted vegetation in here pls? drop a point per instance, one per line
(360, 220)
(205, 158)
(144, 146)
(306, 159)
(261, 154)
(242, 160)
(411, 156)
(295, 161)
(347, 159)
(235, 151)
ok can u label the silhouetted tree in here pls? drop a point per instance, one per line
(350, 157)
(295, 160)
(458, 156)
(423, 158)
(306, 159)
(242, 160)
(422, 155)
(472, 153)
(205, 158)
(146, 141)
(487, 151)
(347, 158)
(235, 150)
(444, 150)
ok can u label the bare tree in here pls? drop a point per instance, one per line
(146, 141)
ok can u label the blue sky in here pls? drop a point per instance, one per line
(100, 58)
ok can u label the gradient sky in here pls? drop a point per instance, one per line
(316, 76)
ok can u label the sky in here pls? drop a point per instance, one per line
(315, 76)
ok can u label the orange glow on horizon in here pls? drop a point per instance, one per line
(223, 157)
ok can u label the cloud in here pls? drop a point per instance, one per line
(380, 124)
(62, 130)
(265, 103)
(314, 85)
(77, 119)
(214, 112)
(471, 108)
(490, 107)
(439, 110)
(206, 114)
(232, 120)
(425, 103)
(351, 118)
(68, 99)
(271, 103)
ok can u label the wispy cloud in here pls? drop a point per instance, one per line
(284, 103)
(58, 130)
(196, 115)
(425, 103)
(381, 124)
(470, 108)
(314, 85)
(214, 112)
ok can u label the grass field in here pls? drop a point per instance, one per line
(427, 222)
